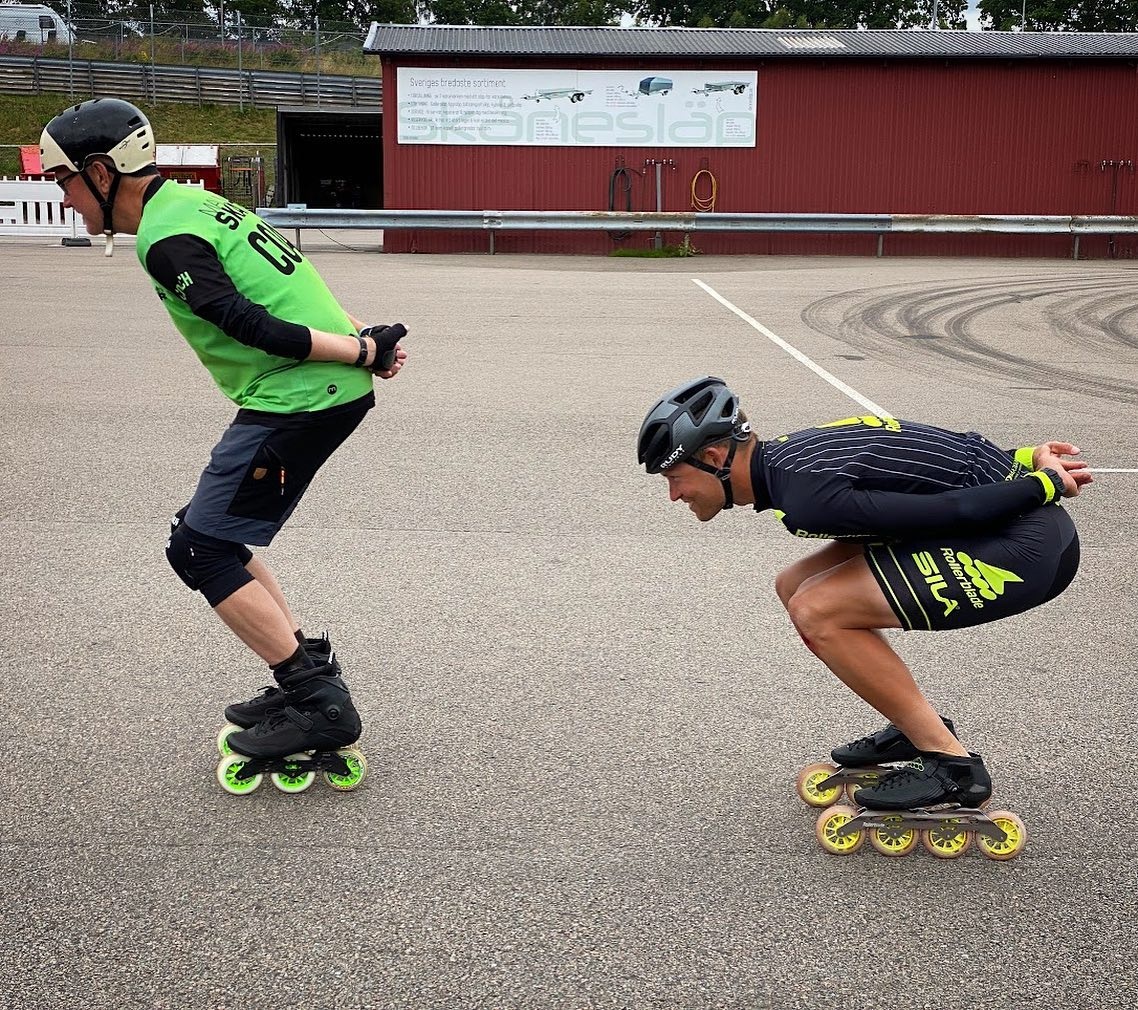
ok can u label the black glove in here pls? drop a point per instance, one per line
(385, 337)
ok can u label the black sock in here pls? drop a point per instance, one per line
(299, 636)
(299, 660)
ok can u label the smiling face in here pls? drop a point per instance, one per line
(699, 490)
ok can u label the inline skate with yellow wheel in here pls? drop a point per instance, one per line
(860, 764)
(935, 800)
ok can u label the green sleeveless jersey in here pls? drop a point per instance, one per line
(266, 269)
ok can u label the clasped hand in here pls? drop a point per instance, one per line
(1073, 471)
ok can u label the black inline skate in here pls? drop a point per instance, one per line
(312, 730)
(244, 714)
(934, 799)
(861, 763)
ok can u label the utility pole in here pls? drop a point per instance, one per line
(153, 82)
(70, 55)
(240, 78)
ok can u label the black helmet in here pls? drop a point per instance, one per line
(685, 420)
(106, 126)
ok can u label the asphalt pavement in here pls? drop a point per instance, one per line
(584, 711)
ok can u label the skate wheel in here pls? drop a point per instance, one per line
(294, 778)
(357, 770)
(826, 831)
(806, 785)
(1012, 846)
(227, 770)
(947, 839)
(893, 839)
(223, 736)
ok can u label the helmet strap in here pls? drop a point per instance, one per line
(108, 208)
(721, 474)
(107, 204)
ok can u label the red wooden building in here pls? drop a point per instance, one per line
(880, 122)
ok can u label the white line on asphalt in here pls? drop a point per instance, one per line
(794, 352)
(833, 380)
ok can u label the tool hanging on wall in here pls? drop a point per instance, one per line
(699, 203)
(620, 185)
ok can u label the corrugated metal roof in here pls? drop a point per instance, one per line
(740, 43)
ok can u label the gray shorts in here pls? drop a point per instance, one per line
(258, 472)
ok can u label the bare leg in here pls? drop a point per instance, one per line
(255, 616)
(838, 612)
(264, 575)
(787, 581)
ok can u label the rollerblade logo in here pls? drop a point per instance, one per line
(936, 582)
(977, 578)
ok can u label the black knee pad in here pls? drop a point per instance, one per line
(215, 568)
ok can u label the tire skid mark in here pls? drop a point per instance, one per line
(1098, 323)
(1083, 313)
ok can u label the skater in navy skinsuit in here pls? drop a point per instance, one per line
(929, 530)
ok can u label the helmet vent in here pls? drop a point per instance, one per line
(699, 405)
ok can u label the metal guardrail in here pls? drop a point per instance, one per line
(650, 221)
(22, 75)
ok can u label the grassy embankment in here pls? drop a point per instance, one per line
(22, 117)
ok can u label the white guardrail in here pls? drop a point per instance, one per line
(34, 208)
(650, 221)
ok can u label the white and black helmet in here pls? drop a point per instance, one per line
(103, 126)
(688, 419)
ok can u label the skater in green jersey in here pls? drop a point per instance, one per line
(299, 369)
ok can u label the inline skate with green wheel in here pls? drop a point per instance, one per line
(245, 714)
(313, 730)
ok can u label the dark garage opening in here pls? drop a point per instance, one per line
(329, 158)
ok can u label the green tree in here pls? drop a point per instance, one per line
(800, 13)
(302, 14)
(535, 12)
(164, 10)
(1060, 15)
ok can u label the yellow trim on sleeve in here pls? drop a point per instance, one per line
(1050, 491)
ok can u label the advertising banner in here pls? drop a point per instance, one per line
(577, 108)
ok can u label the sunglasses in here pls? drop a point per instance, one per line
(62, 182)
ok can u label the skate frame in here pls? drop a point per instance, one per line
(966, 818)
